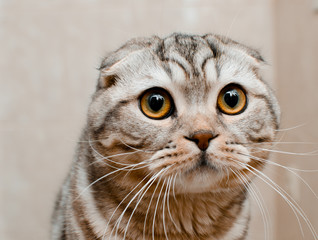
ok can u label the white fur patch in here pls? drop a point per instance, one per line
(97, 221)
(239, 226)
(210, 71)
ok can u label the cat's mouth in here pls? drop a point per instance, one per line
(203, 164)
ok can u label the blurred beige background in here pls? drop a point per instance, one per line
(49, 53)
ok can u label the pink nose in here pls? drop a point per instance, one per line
(202, 139)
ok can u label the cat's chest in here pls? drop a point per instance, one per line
(182, 218)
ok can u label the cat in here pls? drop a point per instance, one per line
(167, 149)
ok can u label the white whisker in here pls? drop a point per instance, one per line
(173, 187)
(277, 164)
(291, 128)
(244, 181)
(139, 200)
(132, 199)
(156, 207)
(278, 142)
(122, 202)
(291, 202)
(163, 208)
(149, 207)
(127, 145)
(258, 200)
(312, 153)
(168, 204)
(233, 21)
(288, 169)
(97, 180)
(278, 191)
(108, 157)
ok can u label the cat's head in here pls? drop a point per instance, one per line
(189, 109)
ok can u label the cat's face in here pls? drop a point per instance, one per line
(188, 107)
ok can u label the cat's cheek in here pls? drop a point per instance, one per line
(108, 142)
(162, 123)
(136, 120)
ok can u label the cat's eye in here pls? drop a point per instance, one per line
(156, 103)
(232, 100)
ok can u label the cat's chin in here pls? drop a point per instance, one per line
(201, 178)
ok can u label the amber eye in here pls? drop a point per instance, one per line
(156, 103)
(232, 100)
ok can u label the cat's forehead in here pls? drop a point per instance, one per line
(189, 60)
(209, 58)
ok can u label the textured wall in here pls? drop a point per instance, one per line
(49, 52)
(296, 50)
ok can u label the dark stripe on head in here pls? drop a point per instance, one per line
(213, 46)
(187, 46)
(160, 50)
(184, 69)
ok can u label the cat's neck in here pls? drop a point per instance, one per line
(189, 216)
(196, 216)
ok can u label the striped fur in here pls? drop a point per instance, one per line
(138, 178)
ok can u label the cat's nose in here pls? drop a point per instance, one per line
(202, 139)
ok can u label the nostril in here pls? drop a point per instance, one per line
(202, 139)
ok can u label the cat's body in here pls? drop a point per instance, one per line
(166, 150)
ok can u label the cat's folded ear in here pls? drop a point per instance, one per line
(217, 42)
(108, 76)
(110, 64)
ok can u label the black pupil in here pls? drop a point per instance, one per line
(156, 102)
(231, 98)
